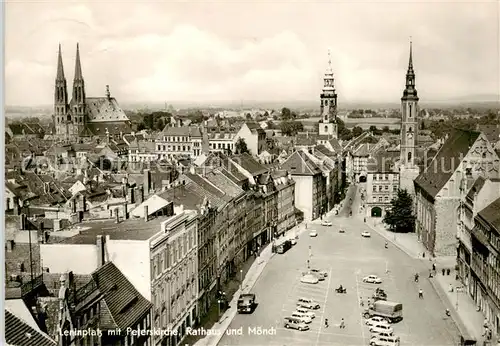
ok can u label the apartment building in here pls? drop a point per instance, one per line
(177, 142)
(285, 187)
(254, 136)
(382, 183)
(156, 249)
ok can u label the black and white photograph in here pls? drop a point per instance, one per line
(251, 173)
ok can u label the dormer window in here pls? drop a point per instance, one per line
(468, 171)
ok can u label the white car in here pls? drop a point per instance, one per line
(384, 341)
(366, 234)
(372, 279)
(326, 223)
(302, 317)
(309, 279)
(381, 329)
(376, 320)
(305, 312)
(316, 271)
(313, 233)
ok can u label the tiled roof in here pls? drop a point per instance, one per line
(182, 195)
(444, 164)
(363, 150)
(192, 131)
(335, 145)
(300, 164)
(19, 333)
(249, 163)
(255, 127)
(223, 182)
(207, 186)
(104, 109)
(99, 128)
(125, 304)
(235, 175)
(322, 149)
(491, 215)
(18, 129)
(305, 140)
(382, 161)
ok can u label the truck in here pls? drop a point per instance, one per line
(246, 303)
(284, 246)
(391, 311)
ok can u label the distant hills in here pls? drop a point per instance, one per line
(482, 101)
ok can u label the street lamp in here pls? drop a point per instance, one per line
(241, 278)
(457, 289)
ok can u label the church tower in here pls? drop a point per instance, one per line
(78, 107)
(409, 128)
(328, 98)
(60, 98)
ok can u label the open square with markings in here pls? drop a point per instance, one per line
(347, 258)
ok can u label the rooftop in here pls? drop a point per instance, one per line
(446, 161)
(131, 229)
(491, 215)
(18, 332)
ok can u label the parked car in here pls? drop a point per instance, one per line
(303, 317)
(295, 323)
(381, 328)
(372, 279)
(341, 230)
(366, 234)
(375, 320)
(305, 311)
(326, 223)
(309, 279)
(319, 272)
(313, 233)
(384, 341)
(308, 303)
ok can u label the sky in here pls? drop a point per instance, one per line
(275, 51)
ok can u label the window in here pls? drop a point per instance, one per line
(380, 188)
(374, 188)
(374, 177)
(326, 128)
(380, 199)
(409, 156)
(386, 199)
(387, 187)
(386, 176)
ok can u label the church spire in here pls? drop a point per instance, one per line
(60, 67)
(410, 62)
(329, 70)
(78, 66)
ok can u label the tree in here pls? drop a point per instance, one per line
(196, 117)
(385, 129)
(400, 217)
(241, 146)
(286, 114)
(357, 131)
(291, 127)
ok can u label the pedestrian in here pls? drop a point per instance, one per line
(433, 267)
(361, 303)
(326, 322)
(442, 271)
(342, 324)
(430, 273)
(416, 277)
(421, 294)
(423, 254)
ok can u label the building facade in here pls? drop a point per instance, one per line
(178, 142)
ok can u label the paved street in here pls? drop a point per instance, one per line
(348, 258)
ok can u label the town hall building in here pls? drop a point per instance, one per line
(328, 123)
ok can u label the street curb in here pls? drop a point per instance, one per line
(457, 320)
(233, 314)
(400, 247)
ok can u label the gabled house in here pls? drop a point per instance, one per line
(464, 156)
(310, 185)
(254, 136)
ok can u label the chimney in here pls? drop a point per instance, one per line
(84, 203)
(100, 251)
(125, 211)
(22, 222)
(15, 201)
(140, 195)
(191, 169)
(117, 216)
(146, 211)
(57, 225)
(130, 195)
(147, 182)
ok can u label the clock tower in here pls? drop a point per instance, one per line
(409, 128)
(328, 98)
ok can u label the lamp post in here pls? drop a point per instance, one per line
(457, 288)
(309, 259)
(241, 278)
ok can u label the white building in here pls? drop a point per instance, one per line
(156, 252)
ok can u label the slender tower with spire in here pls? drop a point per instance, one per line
(328, 107)
(60, 98)
(78, 107)
(409, 129)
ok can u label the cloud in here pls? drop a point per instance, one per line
(252, 51)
